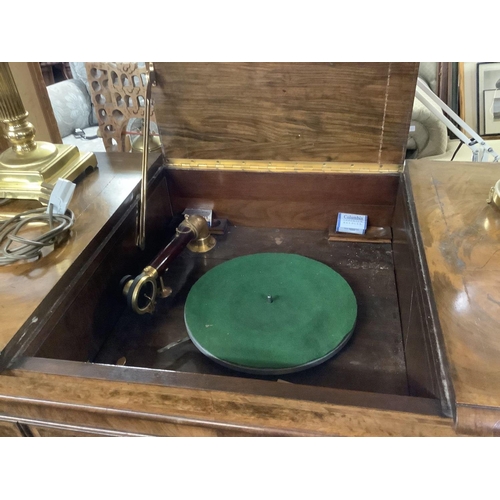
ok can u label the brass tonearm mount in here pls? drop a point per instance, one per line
(142, 292)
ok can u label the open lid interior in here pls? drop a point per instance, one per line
(285, 112)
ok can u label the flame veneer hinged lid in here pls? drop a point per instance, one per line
(317, 117)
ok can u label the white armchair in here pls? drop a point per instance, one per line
(428, 136)
(73, 109)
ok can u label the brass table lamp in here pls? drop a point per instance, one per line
(29, 163)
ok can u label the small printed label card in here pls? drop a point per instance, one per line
(351, 223)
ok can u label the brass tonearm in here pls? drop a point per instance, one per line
(142, 291)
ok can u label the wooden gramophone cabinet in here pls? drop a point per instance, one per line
(277, 150)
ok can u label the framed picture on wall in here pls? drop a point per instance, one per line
(488, 98)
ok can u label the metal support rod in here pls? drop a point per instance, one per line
(141, 231)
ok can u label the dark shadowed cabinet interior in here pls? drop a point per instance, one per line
(277, 150)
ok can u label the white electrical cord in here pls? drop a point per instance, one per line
(30, 249)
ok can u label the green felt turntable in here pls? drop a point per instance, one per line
(270, 313)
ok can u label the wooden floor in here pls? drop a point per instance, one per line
(373, 360)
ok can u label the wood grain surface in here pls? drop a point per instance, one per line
(26, 288)
(99, 294)
(9, 429)
(461, 236)
(355, 112)
(104, 397)
(426, 361)
(286, 200)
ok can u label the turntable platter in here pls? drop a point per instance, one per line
(270, 313)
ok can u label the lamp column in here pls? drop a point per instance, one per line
(29, 163)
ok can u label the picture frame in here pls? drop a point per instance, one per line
(492, 112)
(488, 98)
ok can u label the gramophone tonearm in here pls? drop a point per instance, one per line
(142, 291)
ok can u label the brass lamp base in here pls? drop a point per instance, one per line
(21, 174)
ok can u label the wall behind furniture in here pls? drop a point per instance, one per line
(470, 94)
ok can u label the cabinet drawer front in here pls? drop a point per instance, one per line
(56, 431)
(157, 429)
